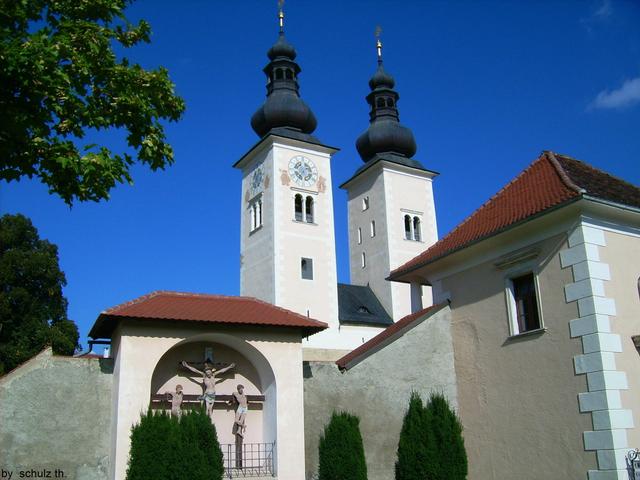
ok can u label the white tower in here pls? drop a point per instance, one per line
(391, 209)
(288, 255)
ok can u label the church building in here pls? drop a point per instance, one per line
(525, 317)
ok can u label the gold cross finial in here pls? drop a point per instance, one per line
(281, 15)
(378, 42)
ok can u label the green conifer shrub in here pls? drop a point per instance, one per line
(413, 445)
(448, 459)
(431, 446)
(165, 448)
(341, 450)
(154, 441)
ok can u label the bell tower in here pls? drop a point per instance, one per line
(288, 255)
(390, 201)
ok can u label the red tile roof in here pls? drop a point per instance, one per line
(221, 309)
(550, 181)
(405, 322)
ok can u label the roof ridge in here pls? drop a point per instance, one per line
(157, 293)
(395, 327)
(564, 176)
(288, 312)
(135, 301)
(473, 213)
(595, 169)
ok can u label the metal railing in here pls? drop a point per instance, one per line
(249, 460)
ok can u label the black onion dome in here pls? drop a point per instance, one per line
(381, 79)
(283, 107)
(386, 136)
(282, 48)
(385, 133)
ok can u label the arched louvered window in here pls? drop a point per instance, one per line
(279, 74)
(298, 207)
(308, 209)
(407, 227)
(289, 74)
(255, 213)
(380, 102)
(416, 229)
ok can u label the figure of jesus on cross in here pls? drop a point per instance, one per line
(209, 381)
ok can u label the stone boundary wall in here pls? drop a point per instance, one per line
(377, 390)
(55, 416)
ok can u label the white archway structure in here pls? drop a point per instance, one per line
(275, 352)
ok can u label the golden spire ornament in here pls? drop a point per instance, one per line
(379, 43)
(281, 15)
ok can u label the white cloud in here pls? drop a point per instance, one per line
(599, 16)
(605, 10)
(625, 96)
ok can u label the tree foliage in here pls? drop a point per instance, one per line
(341, 450)
(165, 448)
(60, 78)
(33, 311)
(449, 459)
(431, 446)
(413, 447)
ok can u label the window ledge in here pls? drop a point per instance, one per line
(528, 333)
(304, 223)
(255, 230)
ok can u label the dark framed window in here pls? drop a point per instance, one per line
(306, 268)
(525, 301)
(308, 209)
(297, 206)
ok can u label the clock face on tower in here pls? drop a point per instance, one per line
(256, 180)
(303, 171)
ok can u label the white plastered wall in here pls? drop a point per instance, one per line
(393, 192)
(271, 255)
(276, 355)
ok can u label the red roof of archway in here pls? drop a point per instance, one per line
(196, 307)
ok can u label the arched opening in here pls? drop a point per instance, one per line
(389, 102)
(279, 74)
(308, 209)
(252, 213)
(407, 227)
(289, 74)
(251, 370)
(380, 102)
(416, 229)
(297, 205)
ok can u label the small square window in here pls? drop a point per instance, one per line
(306, 268)
(523, 304)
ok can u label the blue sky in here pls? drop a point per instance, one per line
(484, 85)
